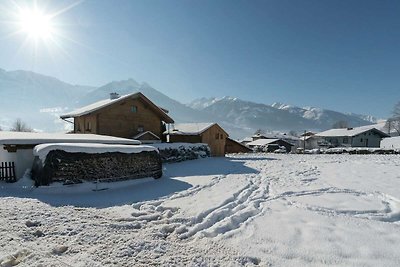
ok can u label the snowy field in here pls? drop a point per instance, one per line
(260, 209)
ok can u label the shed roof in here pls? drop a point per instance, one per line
(275, 136)
(350, 132)
(29, 138)
(264, 142)
(107, 102)
(191, 128)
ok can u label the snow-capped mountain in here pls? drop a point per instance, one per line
(36, 98)
(277, 116)
(177, 110)
(39, 100)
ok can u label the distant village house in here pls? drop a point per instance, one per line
(364, 136)
(209, 133)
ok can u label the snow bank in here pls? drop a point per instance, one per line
(41, 151)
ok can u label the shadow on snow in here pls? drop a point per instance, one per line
(128, 192)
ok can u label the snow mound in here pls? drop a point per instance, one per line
(41, 151)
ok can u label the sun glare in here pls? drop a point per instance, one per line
(36, 24)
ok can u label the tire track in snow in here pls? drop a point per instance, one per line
(241, 207)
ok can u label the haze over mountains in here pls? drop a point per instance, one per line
(40, 99)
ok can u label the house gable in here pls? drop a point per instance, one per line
(125, 117)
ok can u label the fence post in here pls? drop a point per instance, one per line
(7, 172)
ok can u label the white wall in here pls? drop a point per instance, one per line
(391, 143)
(23, 159)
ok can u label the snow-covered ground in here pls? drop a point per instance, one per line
(255, 209)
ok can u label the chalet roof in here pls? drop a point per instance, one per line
(275, 136)
(247, 139)
(191, 128)
(138, 136)
(264, 142)
(350, 132)
(107, 102)
(29, 138)
(237, 142)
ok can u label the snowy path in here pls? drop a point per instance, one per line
(261, 209)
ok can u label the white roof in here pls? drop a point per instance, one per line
(107, 102)
(95, 106)
(42, 150)
(350, 132)
(247, 139)
(190, 128)
(276, 136)
(262, 142)
(29, 138)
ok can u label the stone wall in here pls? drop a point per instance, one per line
(69, 168)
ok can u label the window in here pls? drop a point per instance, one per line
(140, 129)
(216, 136)
(361, 140)
(345, 140)
(221, 136)
(88, 126)
(134, 109)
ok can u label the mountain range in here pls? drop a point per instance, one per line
(39, 100)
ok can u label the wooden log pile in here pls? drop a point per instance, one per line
(70, 168)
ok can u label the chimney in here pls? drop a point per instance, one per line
(114, 95)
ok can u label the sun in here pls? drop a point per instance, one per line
(36, 24)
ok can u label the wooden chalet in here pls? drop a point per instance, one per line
(270, 145)
(127, 116)
(208, 133)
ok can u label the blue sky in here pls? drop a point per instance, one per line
(341, 55)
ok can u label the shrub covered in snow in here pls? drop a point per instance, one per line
(176, 152)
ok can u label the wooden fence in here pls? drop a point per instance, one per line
(7, 172)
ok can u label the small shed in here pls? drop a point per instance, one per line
(233, 146)
(208, 133)
(270, 145)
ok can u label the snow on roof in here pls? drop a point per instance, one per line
(190, 128)
(29, 138)
(276, 136)
(107, 102)
(95, 106)
(144, 133)
(262, 142)
(42, 150)
(247, 139)
(350, 132)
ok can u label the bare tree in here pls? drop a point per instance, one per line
(393, 123)
(259, 132)
(340, 124)
(20, 126)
